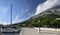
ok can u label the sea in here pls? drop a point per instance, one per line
(10, 33)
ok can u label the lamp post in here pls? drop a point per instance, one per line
(58, 19)
(39, 26)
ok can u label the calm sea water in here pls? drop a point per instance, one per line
(10, 33)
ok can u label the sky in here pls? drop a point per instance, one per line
(21, 10)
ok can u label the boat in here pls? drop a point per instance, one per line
(10, 28)
(14, 29)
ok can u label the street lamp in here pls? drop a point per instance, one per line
(58, 19)
(39, 25)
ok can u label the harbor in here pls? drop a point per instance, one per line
(29, 17)
(43, 31)
(28, 31)
(10, 33)
(7, 30)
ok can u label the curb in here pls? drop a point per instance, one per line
(50, 29)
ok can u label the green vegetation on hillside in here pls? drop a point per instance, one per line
(42, 21)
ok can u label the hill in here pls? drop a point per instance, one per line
(48, 18)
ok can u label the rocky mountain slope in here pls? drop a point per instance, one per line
(52, 11)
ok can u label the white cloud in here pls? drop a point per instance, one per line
(4, 10)
(29, 14)
(4, 23)
(17, 19)
(26, 9)
(46, 5)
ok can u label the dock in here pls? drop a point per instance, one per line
(35, 31)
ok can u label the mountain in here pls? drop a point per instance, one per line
(52, 11)
(46, 17)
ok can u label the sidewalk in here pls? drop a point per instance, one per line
(44, 31)
(29, 31)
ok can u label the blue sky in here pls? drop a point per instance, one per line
(22, 10)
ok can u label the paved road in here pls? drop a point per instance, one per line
(33, 31)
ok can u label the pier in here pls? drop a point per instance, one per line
(44, 31)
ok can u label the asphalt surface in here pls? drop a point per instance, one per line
(33, 31)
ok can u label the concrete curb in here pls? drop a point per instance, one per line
(50, 29)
